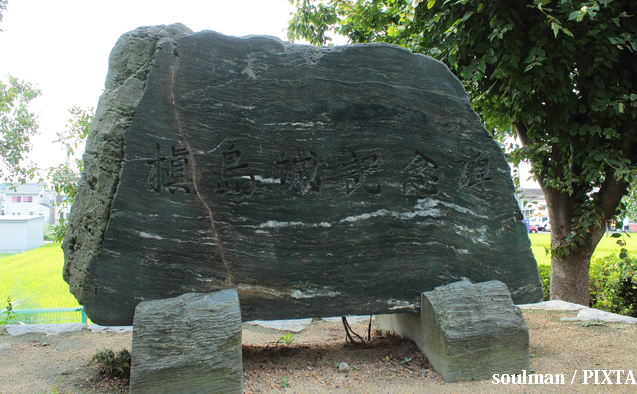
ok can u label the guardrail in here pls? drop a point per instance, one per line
(49, 316)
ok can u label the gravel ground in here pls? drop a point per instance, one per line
(33, 363)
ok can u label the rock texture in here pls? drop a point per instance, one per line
(473, 331)
(129, 66)
(188, 344)
(467, 331)
(314, 181)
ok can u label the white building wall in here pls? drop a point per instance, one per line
(19, 234)
(35, 232)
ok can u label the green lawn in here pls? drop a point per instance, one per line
(35, 276)
(606, 246)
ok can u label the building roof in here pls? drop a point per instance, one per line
(21, 218)
(532, 192)
(27, 188)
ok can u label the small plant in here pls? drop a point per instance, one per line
(406, 360)
(386, 358)
(8, 316)
(287, 339)
(56, 388)
(284, 382)
(113, 365)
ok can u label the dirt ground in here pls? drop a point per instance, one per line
(34, 363)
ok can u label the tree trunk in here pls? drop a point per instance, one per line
(569, 273)
(569, 276)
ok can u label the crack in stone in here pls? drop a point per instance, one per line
(194, 177)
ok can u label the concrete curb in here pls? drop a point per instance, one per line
(585, 313)
(55, 329)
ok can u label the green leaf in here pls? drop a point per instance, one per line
(568, 32)
(556, 28)
(431, 3)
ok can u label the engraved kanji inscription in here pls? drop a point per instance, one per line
(300, 173)
(474, 172)
(357, 169)
(234, 174)
(170, 172)
(422, 178)
(508, 223)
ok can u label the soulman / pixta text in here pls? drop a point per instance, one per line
(588, 376)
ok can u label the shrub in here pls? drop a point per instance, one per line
(545, 276)
(612, 284)
(113, 365)
(49, 230)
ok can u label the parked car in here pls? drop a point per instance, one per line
(532, 229)
(542, 223)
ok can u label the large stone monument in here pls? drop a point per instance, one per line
(314, 181)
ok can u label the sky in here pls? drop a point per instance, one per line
(63, 46)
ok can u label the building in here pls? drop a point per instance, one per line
(29, 199)
(532, 202)
(21, 233)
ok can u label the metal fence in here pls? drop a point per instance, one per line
(50, 316)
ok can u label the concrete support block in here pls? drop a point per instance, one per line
(467, 331)
(188, 344)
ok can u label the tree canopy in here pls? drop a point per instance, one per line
(17, 126)
(559, 75)
(65, 177)
(630, 202)
(3, 7)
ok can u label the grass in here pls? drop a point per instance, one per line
(35, 276)
(607, 246)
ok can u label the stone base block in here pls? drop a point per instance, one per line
(188, 344)
(467, 331)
